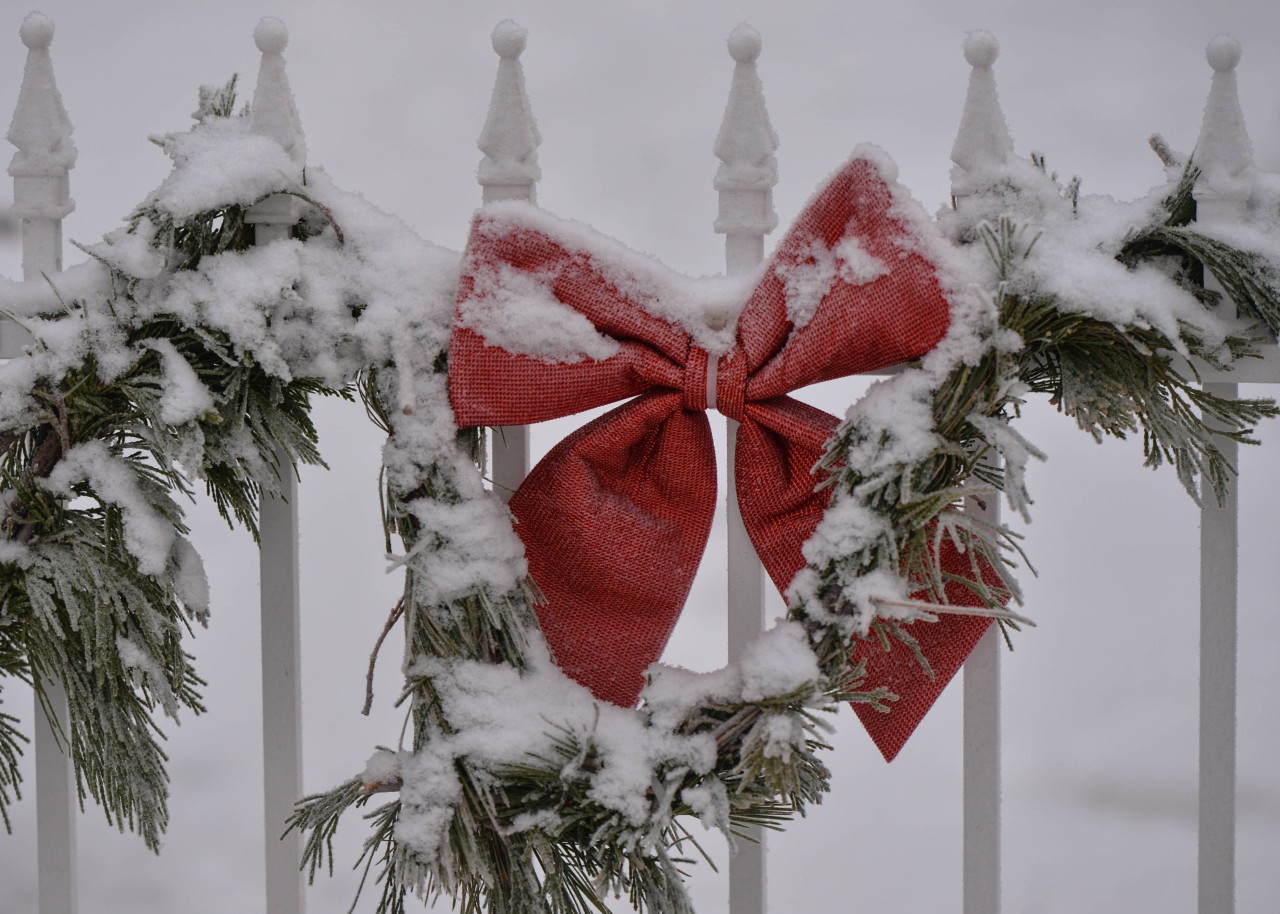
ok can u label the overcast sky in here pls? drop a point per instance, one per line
(1099, 716)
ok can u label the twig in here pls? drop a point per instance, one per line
(324, 211)
(390, 786)
(396, 612)
(990, 612)
(1161, 148)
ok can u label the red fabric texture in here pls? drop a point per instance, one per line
(616, 517)
(946, 643)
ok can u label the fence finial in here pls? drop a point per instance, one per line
(983, 145)
(510, 138)
(40, 127)
(746, 142)
(1223, 152)
(273, 112)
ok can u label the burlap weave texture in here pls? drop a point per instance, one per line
(616, 517)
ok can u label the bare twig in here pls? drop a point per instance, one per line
(323, 210)
(1162, 148)
(931, 609)
(390, 786)
(396, 612)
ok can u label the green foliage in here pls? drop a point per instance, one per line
(101, 597)
(532, 838)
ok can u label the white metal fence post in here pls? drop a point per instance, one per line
(41, 192)
(1224, 156)
(748, 172)
(982, 147)
(273, 114)
(509, 171)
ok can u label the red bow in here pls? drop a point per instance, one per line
(615, 518)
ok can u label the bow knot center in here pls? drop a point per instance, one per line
(719, 384)
(695, 381)
(730, 384)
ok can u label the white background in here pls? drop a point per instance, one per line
(1099, 701)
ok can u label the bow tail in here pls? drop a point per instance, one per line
(614, 521)
(946, 643)
(781, 440)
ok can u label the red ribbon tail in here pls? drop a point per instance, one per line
(946, 644)
(614, 521)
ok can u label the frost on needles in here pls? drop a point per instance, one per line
(181, 355)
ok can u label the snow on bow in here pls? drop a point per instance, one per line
(552, 320)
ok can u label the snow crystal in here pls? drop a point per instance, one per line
(218, 163)
(190, 581)
(517, 312)
(709, 801)
(683, 301)
(778, 662)
(185, 398)
(782, 735)
(857, 265)
(847, 527)
(145, 670)
(464, 547)
(383, 767)
(807, 281)
(148, 535)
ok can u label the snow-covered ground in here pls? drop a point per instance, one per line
(1099, 701)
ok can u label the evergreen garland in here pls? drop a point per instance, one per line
(99, 588)
(533, 838)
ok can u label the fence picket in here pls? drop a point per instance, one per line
(745, 179)
(509, 171)
(41, 131)
(273, 114)
(1224, 156)
(744, 182)
(983, 146)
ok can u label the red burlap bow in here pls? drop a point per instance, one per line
(616, 517)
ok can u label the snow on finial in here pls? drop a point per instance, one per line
(983, 145)
(509, 39)
(510, 138)
(746, 142)
(36, 31)
(1223, 153)
(271, 36)
(40, 127)
(273, 112)
(744, 43)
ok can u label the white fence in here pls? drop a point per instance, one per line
(510, 171)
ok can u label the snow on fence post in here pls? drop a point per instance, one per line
(273, 114)
(41, 193)
(1224, 156)
(748, 172)
(41, 188)
(982, 148)
(509, 171)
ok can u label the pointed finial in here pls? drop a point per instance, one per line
(983, 145)
(510, 138)
(40, 127)
(1223, 152)
(746, 142)
(273, 112)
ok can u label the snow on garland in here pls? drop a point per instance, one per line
(182, 353)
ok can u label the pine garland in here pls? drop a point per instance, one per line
(533, 836)
(99, 588)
